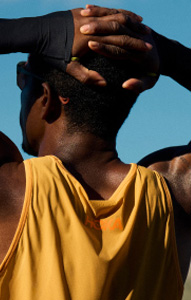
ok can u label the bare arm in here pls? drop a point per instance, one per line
(165, 154)
(174, 164)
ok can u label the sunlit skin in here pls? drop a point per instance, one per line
(44, 127)
(46, 133)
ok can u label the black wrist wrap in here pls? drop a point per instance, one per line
(175, 60)
(50, 36)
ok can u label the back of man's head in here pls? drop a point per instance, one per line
(98, 110)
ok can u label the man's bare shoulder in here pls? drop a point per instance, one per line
(174, 164)
(8, 150)
(12, 176)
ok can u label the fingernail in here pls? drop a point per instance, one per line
(85, 12)
(135, 88)
(85, 28)
(129, 86)
(125, 85)
(101, 83)
(89, 6)
(148, 46)
(94, 44)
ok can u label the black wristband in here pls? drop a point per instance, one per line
(50, 36)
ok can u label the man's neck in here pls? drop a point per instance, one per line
(77, 149)
(92, 161)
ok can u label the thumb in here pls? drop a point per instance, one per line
(84, 75)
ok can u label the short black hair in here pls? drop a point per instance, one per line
(98, 110)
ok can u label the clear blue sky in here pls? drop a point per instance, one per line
(161, 117)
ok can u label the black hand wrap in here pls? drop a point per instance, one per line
(175, 60)
(50, 36)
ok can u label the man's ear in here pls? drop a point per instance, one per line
(64, 100)
(50, 106)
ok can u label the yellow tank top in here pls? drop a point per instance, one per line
(69, 247)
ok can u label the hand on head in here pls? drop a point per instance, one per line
(117, 34)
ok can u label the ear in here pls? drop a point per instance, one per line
(63, 100)
(50, 107)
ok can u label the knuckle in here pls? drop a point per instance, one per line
(128, 14)
(94, 27)
(96, 11)
(84, 77)
(101, 11)
(125, 41)
(117, 51)
(115, 26)
(114, 11)
(102, 47)
(133, 44)
(124, 19)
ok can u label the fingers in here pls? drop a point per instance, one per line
(141, 84)
(114, 24)
(115, 52)
(84, 75)
(91, 77)
(104, 44)
(112, 50)
(97, 11)
(108, 50)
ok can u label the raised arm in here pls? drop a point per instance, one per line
(167, 57)
(57, 38)
(50, 35)
(175, 60)
(174, 164)
(165, 154)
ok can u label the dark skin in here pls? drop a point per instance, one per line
(174, 164)
(118, 34)
(12, 173)
(80, 153)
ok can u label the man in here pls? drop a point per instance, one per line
(86, 247)
(83, 209)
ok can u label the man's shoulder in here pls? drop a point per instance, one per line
(8, 151)
(174, 164)
(165, 155)
(12, 175)
(12, 183)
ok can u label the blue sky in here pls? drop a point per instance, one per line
(161, 116)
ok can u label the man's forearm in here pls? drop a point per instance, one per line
(50, 35)
(175, 60)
